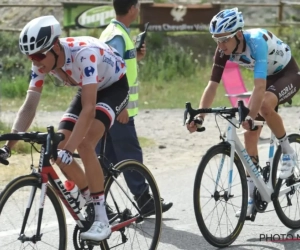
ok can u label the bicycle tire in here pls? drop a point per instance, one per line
(293, 138)
(222, 148)
(32, 180)
(141, 168)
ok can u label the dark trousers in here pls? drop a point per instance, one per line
(121, 144)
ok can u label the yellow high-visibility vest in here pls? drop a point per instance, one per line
(115, 29)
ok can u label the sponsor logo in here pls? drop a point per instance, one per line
(250, 163)
(96, 17)
(74, 204)
(108, 60)
(178, 13)
(33, 75)
(123, 104)
(89, 71)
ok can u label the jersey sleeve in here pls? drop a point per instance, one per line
(218, 66)
(87, 60)
(259, 49)
(36, 77)
(119, 44)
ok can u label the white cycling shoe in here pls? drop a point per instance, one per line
(99, 231)
(288, 165)
(249, 208)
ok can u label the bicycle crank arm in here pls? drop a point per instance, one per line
(274, 195)
(123, 224)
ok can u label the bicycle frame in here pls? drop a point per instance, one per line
(48, 174)
(265, 190)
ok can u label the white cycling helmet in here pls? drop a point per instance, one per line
(39, 34)
(229, 20)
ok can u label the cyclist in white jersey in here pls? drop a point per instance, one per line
(100, 74)
(276, 81)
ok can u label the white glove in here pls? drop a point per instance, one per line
(65, 156)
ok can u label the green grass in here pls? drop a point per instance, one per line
(153, 95)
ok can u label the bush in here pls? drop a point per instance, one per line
(166, 62)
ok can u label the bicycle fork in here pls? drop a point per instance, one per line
(38, 236)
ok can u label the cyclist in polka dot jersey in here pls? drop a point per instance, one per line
(99, 72)
(87, 61)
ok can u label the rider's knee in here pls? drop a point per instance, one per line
(268, 105)
(266, 110)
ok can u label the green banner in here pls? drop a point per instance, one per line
(85, 16)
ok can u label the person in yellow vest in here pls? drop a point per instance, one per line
(122, 141)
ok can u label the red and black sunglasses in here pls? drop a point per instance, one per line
(40, 55)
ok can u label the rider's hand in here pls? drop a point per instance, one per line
(248, 124)
(123, 117)
(64, 157)
(4, 152)
(195, 124)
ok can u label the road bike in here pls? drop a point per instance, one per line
(220, 186)
(32, 215)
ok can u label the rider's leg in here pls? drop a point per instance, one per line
(73, 171)
(251, 139)
(93, 170)
(274, 120)
(281, 87)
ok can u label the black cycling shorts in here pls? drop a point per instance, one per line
(110, 102)
(285, 84)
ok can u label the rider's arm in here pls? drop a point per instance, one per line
(208, 96)
(27, 111)
(259, 48)
(216, 75)
(89, 70)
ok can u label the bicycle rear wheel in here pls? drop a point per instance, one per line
(145, 232)
(13, 206)
(214, 210)
(287, 206)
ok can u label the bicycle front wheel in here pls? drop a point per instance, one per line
(14, 208)
(287, 206)
(219, 195)
(122, 205)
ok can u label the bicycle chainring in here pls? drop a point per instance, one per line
(77, 242)
(259, 204)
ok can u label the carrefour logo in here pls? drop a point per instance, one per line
(96, 17)
(89, 71)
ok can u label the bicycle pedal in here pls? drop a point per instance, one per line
(248, 218)
(252, 217)
(92, 242)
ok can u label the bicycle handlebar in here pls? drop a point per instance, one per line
(241, 109)
(51, 139)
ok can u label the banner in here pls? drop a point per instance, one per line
(87, 16)
(177, 17)
(162, 17)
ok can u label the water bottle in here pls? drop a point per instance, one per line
(75, 192)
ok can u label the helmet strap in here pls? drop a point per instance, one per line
(56, 58)
(237, 44)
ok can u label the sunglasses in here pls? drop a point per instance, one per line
(223, 39)
(40, 55)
